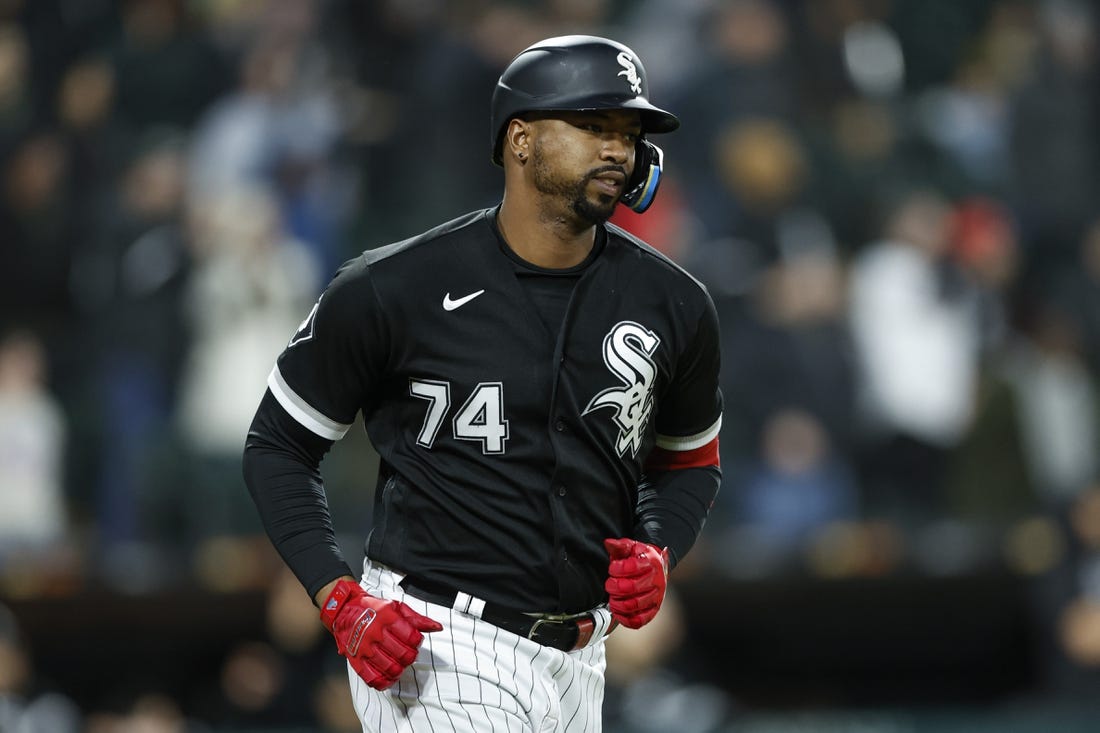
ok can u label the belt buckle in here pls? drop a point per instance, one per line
(538, 623)
(582, 622)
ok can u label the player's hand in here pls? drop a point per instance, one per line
(636, 580)
(380, 638)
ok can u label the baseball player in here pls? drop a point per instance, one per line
(542, 390)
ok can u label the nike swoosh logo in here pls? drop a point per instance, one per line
(450, 305)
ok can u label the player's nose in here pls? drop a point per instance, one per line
(616, 149)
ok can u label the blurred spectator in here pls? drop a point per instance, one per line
(94, 153)
(1055, 177)
(131, 272)
(762, 167)
(788, 383)
(740, 103)
(785, 339)
(857, 153)
(280, 127)
(824, 77)
(1058, 403)
(95, 145)
(27, 703)
(33, 512)
(38, 236)
(989, 480)
(1076, 284)
(968, 118)
(762, 184)
(798, 485)
(917, 331)
(235, 142)
(449, 74)
(166, 67)
(984, 244)
(250, 288)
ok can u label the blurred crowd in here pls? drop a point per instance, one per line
(893, 202)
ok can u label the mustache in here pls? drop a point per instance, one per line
(606, 169)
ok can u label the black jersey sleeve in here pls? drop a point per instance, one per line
(682, 472)
(324, 377)
(281, 469)
(689, 414)
(331, 367)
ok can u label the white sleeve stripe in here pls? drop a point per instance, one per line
(302, 411)
(690, 442)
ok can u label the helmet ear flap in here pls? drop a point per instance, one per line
(642, 186)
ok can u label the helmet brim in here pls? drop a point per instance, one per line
(654, 119)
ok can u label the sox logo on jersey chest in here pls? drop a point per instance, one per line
(627, 349)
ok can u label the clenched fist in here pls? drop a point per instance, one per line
(636, 580)
(380, 638)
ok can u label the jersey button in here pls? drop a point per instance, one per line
(561, 490)
(559, 425)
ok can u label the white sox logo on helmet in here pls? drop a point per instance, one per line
(630, 71)
(627, 349)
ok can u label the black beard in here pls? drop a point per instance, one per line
(587, 210)
(593, 213)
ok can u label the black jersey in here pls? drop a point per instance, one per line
(508, 451)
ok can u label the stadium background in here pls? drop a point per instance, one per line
(893, 202)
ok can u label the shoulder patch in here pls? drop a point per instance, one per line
(305, 330)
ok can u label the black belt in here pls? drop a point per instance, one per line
(567, 632)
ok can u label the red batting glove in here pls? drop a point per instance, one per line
(380, 638)
(637, 577)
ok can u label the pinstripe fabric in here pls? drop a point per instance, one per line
(475, 678)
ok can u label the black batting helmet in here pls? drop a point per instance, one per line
(575, 73)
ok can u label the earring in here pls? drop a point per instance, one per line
(521, 155)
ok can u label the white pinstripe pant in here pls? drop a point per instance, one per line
(473, 677)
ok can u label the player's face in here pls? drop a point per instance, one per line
(584, 159)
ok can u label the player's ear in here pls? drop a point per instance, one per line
(517, 139)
